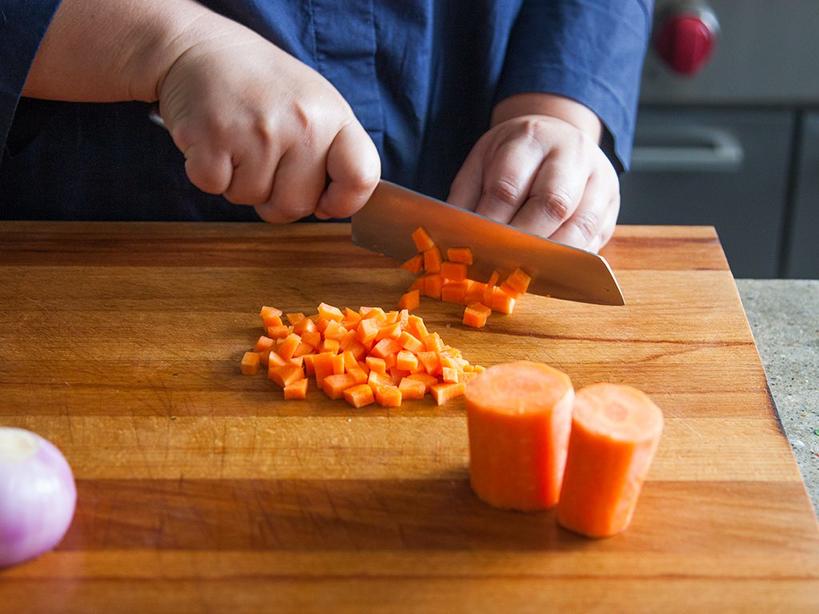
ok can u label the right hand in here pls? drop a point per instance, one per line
(263, 129)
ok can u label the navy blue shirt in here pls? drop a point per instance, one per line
(421, 75)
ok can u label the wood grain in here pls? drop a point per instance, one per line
(202, 491)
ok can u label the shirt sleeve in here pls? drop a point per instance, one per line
(588, 50)
(23, 23)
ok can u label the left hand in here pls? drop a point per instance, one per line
(543, 175)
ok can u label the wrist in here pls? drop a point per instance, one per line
(551, 105)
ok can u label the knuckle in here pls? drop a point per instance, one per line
(556, 204)
(505, 191)
(588, 223)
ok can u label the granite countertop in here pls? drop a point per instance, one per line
(784, 316)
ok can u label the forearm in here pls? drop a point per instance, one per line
(106, 51)
(570, 111)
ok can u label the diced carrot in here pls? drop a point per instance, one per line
(509, 290)
(489, 288)
(474, 291)
(294, 318)
(414, 264)
(337, 360)
(432, 260)
(446, 392)
(368, 329)
(431, 362)
(411, 343)
(296, 390)
(267, 312)
(433, 342)
(296, 360)
(615, 433)
(358, 375)
(376, 380)
(328, 312)
(376, 364)
(412, 389)
(385, 348)
(359, 396)
(519, 281)
(350, 361)
(264, 358)
(502, 302)
(351, 318)
(334, 330)
(390, 331)
(363, 366)
(454, 271)
(432, 285)
(322, 367)
(309, 369)
(274, 360)
(424, 378)
(335, 385)
(388, 396)
(450, 375)
(287, 348)
(278, 332)
(411, 300)
(448, 361)
(476, 314)
(518, 418)
(357, 349)
(264, 343)
(421, 239)
(371, 312)
(406, 360)
(459, 254)
(391, 317)
(416, 327)
(330, 345)
(403, 317)
(389, 360)
(418, 284)
(272, 321)
(453, 292)
(304, 326)
(312, 338)
(286, 375)
(250, 363)
(303, 350)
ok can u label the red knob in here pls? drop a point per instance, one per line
(685, 42)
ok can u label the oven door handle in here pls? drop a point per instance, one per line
(684, 149)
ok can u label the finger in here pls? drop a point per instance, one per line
(465, 190)
(208, 169)
(252, 179)
(609, 225)
(587, 221)
(508, 178)
(554, 195)
(297, 186)
(354, 169)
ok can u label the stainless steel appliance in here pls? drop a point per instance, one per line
(726, 134)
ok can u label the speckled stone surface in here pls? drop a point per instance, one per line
(784, 317)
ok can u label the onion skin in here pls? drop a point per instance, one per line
(37, 495)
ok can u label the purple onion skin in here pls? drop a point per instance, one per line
(37, 501)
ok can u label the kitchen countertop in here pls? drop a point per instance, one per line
(784, 316)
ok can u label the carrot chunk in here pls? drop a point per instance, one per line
(274, 360)
(264, 343)
(358, 375)
(453, 292)
(414, 264)
(351, 318)
(313, 338)
(250, 363)
(432, 285)
(411, 300)
(518, 419)
(272, 321)
(309, 367)
(455, 271)
(406, 361)
(412, 389)
(519, 281)
(334, 330)
(359, 396)
(376, 364)
(278, 332)
(446, 392)
(266, 312)
(335, 385)
(476, 314)
(433, 342)
(459, 254)
(296, 390)
(386, 347)
(304, 326)
(615, 433)
(371, 312)
(330, 345)
(294, 318)
(424, 378)
(287, 348)
(432, 260)
(390, 331)
(450, 375)
(286, 375)
(337, 361)
(422, 240)
(303, 349)
(489, 288)
(328, 312)
(416, 327)
(322, 367)
(376, 380)
(388, 396)
(411, 343)
(474, 291)
(502, 302)
(368, 329)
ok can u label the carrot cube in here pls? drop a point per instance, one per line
(411, 300)
(388, 396)
(358, 375)
(296, 390)
(518, 281)
(376, 380)
(293, 318)
(376, 364)
(371, 312)
(414, 264)
(334, 330)
(455, 271)
(406, 361)
(309, 368)
(474, 291)
(272, 321)
(322, 367)
(433, 342)
(328, 312)
(250, 363)
(287, 348)
(386, 347)
(337, 362)
(453, 292)
(427, 380)
(411, 343)
(351, 318)
(432, 285)
(432, 260)
(489, 288)
(303, 350)
(422, 240)
(305, 325)
(267, 312)
(412, 389)
(264, 343)
(278, 332)
(416, 327)
(502, 302)
(286, 375)
(368, 329)
(476, 314)
(330, 345)
(390, 331)
(430, 361)
(335, 385)
(313, 339)
(459, 254)
(359, 396)
(445, 392)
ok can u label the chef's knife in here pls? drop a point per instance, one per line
(385, 223)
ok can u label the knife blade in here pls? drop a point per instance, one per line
(385, 223)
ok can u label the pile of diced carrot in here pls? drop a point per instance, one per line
(448, 281)
(365, 356)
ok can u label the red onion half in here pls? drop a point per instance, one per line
(37, 495)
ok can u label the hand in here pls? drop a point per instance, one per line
(543, 175)
(263, 129)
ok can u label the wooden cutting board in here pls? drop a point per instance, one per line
(200, 490)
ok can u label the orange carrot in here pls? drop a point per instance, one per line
(368, 329)
(266, 312)
(432, 260)
(388, 396)
(376, 379)
(412, 388)
(518, 418)
(335, 385)
(313, 339)
(411, 343)
(371, 312)
(334, 330)
(337, 361)
(286, 375)
(502, 302)
(390, 331)
(376, 364)
(411, 300)
(328, 312)
(416, 327)
(359, 396)
(303, 349)
(351, 318)
(432, 285)
(445, 392)
(414, 264)
(406, 360)
(322, 367)
(264, 343)
(418, 284)
(454, 271)
(459, 254)
(296, 390)
(330, 345)
(433, 342)
(304, 326)
(250, 363)
(453, 292)
(421, 239)
(287, 348)
(273, 321)
(426, 379)
(294, 318)
(475, 315)
(309, 368)
(615, 432)
(358, 375)
(518, 281)
(474, 291)
(489, 288)
(278, 332)
(386, 347)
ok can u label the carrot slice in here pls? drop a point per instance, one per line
(453, 292)
(406, 361)
(519, 281)
(335, 385)
(432, 285)
(296, 390)
(421, 239)
(328, 312)
(432, 260)
(414, 264)
(359, 396)
(446, 392)
(476, 314)
(459, 254)
(455, 271)
(412, 389)
(502, 302)
(615, 433)
(388, 396)
(518, 418)
(286, 375)
(411, 300)
(250, 363)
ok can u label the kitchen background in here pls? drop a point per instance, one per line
(728, 130)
